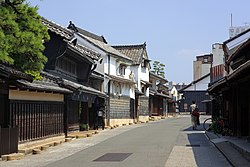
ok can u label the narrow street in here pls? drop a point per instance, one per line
(168, 142)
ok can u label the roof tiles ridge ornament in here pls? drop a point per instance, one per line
(53, 26)
(128, 45)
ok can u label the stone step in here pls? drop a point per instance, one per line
(233, 156)
(14, 156)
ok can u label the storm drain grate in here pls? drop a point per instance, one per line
(192, 145)
(113, 157)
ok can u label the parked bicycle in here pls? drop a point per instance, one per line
(217, 125)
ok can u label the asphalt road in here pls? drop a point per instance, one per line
(155, 144)
(148, 145)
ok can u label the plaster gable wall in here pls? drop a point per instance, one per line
(100, 67)
(202, 85)
(144, 73)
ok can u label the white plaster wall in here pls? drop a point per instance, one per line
(174, 92)
(84, 42)
(127, 72)
(35, 96)
(126, 90)
(132, 92)
(144, 75)
(113, 67)
(201, 85)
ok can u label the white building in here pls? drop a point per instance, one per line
(140, 74)
(115, 68)
(235, 30)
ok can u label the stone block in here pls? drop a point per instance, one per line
(57, 143)
(68, 139)
(89, 134)
(45, 147)
(15, 156)
(36, 151)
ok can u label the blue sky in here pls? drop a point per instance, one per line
(176, 31)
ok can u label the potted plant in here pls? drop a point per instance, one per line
(84, 127)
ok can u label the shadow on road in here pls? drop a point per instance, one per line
(205, 154)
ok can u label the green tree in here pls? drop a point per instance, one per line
(158, 68)
(22, 35)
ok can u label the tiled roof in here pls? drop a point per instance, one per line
(91, 35)
(82, 88)
(152, 74)
(71, 85)
(105, 47)
(10, 72)
(233, 52)
(69, 36)
(42, 86)
(86, 51)
(135, 52)
(58, 29)
(98, 41)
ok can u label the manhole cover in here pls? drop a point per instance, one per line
(192, 145)
(113, 157)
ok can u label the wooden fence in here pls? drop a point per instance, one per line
(37, 119)
(8, 140)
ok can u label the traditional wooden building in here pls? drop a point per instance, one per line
(74, 63)
(160, 102)
(231, 93)
(116, 69)
(140, 75)
(8, 134)
(32, 109)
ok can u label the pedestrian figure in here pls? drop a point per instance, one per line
(194, 115)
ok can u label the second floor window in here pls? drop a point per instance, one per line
(121, 69)
(66, 65)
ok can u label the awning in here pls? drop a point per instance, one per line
(121, 79)
(146, 83)
(240, 71)
(217, 85)
(41, 86)
(83, 88)
(162, 95)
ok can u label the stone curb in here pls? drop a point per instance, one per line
(243, 152)
(229, 150)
